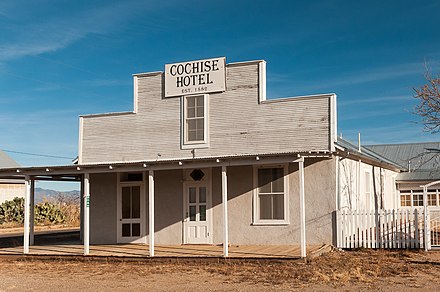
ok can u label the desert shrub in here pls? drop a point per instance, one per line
(13, 212)
(48, 213)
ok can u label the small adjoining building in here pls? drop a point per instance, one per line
(421, 162)
(206, 158)
(10, 188)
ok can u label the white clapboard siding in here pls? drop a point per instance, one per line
(238, 123)
(387, 229)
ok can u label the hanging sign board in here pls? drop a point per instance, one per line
(193, 77)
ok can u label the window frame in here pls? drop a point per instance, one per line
(368, 185)
(185, 144)
(413, 192)
(256, 199)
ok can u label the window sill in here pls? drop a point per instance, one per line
(194, 146)
(278, 223)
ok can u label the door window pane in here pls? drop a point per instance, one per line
(136, 229)
(126, 230)
(192, 213)
(202, 211)
(136, 202)
(202, 195)
(192, 195)
(126, 202)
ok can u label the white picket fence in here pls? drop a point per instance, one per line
(381, 229)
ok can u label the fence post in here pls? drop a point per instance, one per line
(417, 242)
(428, 231)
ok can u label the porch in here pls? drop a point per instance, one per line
(148, 188)
(165, 251)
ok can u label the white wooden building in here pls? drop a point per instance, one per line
(206, 158)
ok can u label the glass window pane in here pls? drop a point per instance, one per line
(199, 124)
(417, 200)
(126, 202)
(265, 207)
(136, 229)
(126, 230)
(136, 202)
(277, 180)
(405, 200)
(200, 100)
(202, 211)
(190, 102)
(192, 213)
(202, 195)
(199, 135)
(192, 135)
(200, 111)
(191, 125)
(192, 195)
(264, 177)
(432, 199)
(367, 182)
(191, 112)
(278, 207)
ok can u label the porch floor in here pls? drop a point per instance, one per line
(141, 250)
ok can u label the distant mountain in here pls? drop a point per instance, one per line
(42, 195)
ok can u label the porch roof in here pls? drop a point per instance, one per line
(74, 172)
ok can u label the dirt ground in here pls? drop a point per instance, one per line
(342, 271)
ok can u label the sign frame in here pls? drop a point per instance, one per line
(195, 77)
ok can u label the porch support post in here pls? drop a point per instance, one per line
(27, 195)
(86, 199)
(151, 211)
(302, 210)
(425, 217)
(81, 212)
(225, 212)
(32, 213)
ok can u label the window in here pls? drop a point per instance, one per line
(367, 188)
(414, 198)
(432, 199)
(405, 200)
(195, 120)
(270, 201)
(417, 199)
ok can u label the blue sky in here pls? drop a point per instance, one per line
(60, 59)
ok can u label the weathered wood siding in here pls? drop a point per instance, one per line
(238, 123)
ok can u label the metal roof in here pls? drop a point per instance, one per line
(6, 161)
(75, 170)
(367, 154)
(413, 156)
(422, 175)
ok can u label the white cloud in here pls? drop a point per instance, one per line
(55, 33)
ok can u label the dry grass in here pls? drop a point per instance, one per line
(354, 270)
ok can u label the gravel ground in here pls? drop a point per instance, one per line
(346, 271)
